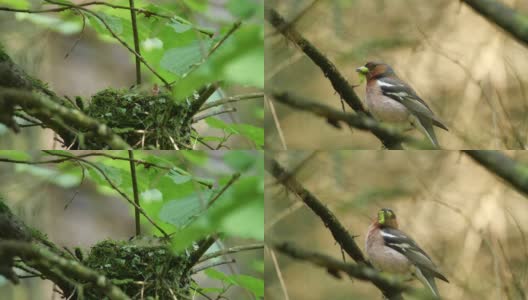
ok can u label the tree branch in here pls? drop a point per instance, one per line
(392, 138)
(195, 256)
(232, 99)
(114, 187)
(338, 81)
(145, 163)
(135, 191)
(231, 251)
(136, 41)
(507, 18)
(340, 234)
(18, 239)
(41, 258)
(503, 166)
(53, 114)
(334, 266)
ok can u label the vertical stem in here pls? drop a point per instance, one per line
(136, 41)
(135, 189)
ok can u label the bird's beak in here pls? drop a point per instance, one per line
(362, 70)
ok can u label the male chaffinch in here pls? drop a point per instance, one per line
(391, 250)
(390, 99)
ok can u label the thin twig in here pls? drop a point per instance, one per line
(136, 41)
(135, 190)
(231, 251)
(232, 180)
(279, 273)
(114, 187)
(213, 113)
(137, 161)
(145, 12)
(216, 264)
(231, 99)
(233, 28)
(79, 37)
(277, 123)
(103, 21)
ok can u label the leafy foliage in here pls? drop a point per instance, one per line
(228, 48)
(171, 194)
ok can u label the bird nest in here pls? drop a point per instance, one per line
(143, 119)
(148, 271)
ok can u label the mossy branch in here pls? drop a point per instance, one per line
(42, 258)
(56, 115)
(17, 87)
(37, 252)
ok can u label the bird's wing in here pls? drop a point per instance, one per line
(398, 90)
(401, 242)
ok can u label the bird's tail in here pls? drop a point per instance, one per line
(426, 126)
(429, 281)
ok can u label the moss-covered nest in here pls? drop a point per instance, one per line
(147, 269)
(143, 119)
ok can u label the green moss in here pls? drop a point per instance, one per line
(3, 54)
(143, 119)
(151, 269)
(521, 21)
(4, 209)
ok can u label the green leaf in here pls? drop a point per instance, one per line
(59, 152)
(64, 180)
(187, 236)
(15, 155)
(196, 157)
(19, 4)
(246, 222)
(179, 25)
(255, 134)
(55, 23)
(181, 59)
(252, 284)
(114, 174)
(114, 23)
(239, 160)
(181, 212)
(179, 178)
(151, 195)
(242, 8)
(197, 5)
(246, 69)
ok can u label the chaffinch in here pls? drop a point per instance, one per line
(390, 99)
(391, 250)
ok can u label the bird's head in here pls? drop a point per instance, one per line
(387, 218)
(373, 70)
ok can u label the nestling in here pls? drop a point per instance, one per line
(391, 250)
(392, 100)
